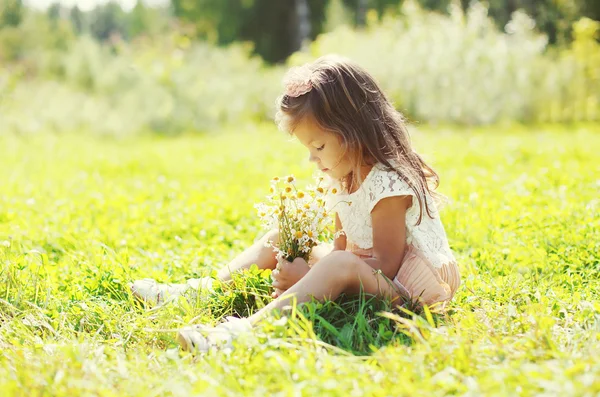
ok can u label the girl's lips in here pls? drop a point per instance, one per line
(324, 169)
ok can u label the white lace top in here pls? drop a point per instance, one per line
(354, 211)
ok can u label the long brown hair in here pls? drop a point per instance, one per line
(345, 99)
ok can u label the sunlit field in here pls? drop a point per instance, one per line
(81, 217)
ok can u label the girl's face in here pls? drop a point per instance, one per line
(325, 149)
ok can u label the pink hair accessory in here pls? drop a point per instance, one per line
(297, 81)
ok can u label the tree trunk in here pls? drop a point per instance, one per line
(361, 12)
(303, 26)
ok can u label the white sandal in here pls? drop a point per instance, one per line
(202, 338)
(148, 290)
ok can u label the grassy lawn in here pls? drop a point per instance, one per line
(81, 217)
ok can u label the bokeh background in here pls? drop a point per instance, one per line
(167, 67)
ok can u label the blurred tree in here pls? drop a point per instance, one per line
(37, 31)
(107, 20)
(276, 28)
(78, 20)
(359, 8)
(591, 9)
(361, 12)
(58, 28)
(11, 12)
(54, 11)
(337, 14)
(553, 17)
(303, 25)
(272, 27)
(147, 20)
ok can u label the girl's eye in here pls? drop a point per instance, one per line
(320, 148)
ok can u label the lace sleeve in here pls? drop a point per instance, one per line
(387, 184)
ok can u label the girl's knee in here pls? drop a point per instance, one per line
(343, 264)
(320, 251)
(271, 236)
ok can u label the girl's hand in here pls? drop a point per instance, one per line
(287, 274)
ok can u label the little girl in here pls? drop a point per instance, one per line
(391, 241)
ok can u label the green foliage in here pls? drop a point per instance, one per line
(437, 69)
(357, 325)
(107, 21)
(110, 23)
(165, 85)
(579, 65)
(11, 13)
(80, 217)
(461, 69)
(554, 18)
(147, 21)
(35, 37)
(271, 26)
(336, 15)
(248, 292)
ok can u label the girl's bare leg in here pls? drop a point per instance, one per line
(337, 273)
(264, 256)
(258, 253)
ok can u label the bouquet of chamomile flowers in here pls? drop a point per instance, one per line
(300, 216)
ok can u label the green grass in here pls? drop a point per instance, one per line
(81, 217)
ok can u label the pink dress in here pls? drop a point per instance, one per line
(428, 272)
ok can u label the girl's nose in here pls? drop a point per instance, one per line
(312, 158)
